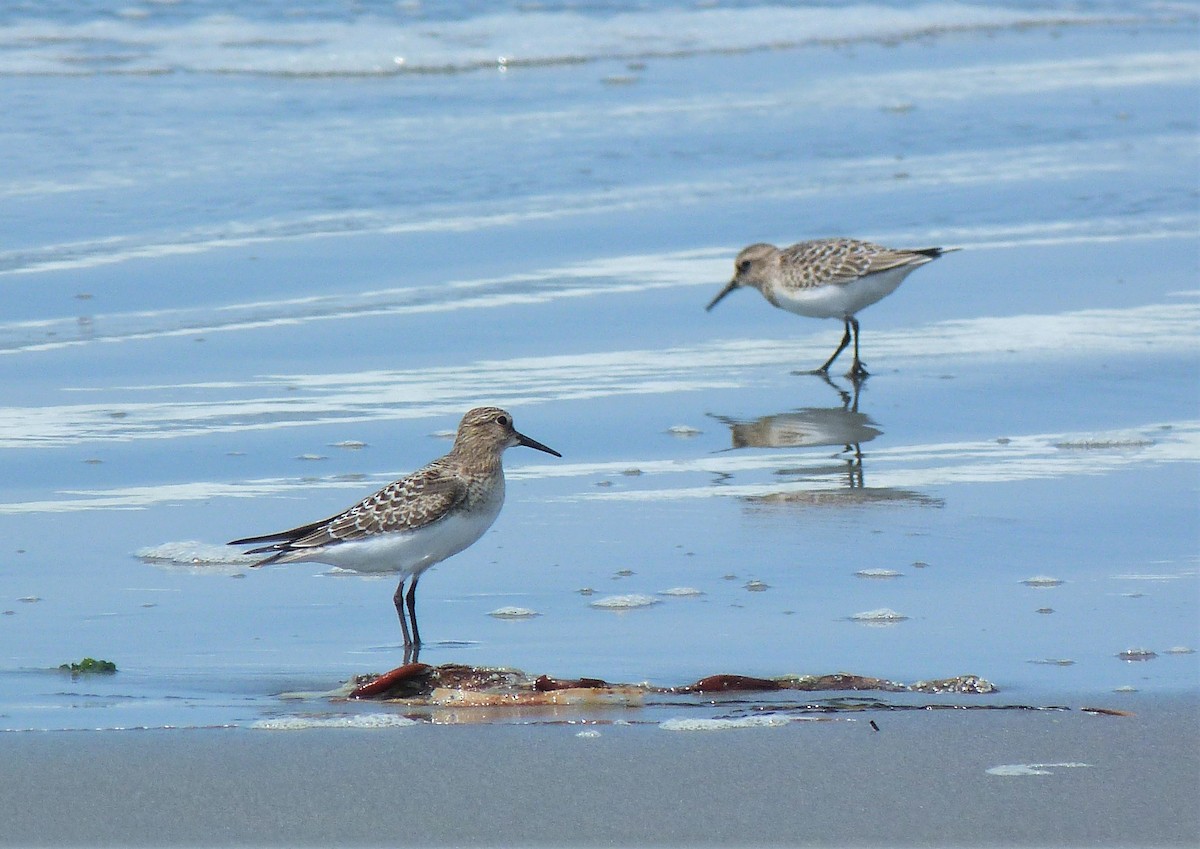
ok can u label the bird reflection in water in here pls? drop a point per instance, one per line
(843, 426)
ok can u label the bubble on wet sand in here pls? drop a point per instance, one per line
(588, 735)
(624, 602)
(684, 431)
(1031, 769)
(682, 592)
(882, 616)
(1137, 654)
(513, 613)
(698, 724)
(878, 573)
(1042, 581)
(1179, 650)
(193, 556)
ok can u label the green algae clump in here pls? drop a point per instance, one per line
(88, 666)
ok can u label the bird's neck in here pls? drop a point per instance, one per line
(477, 462)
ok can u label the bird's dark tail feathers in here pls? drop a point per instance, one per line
(279, 542)
(934, 253)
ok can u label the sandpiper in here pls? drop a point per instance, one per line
(827, 278)
(414, 522)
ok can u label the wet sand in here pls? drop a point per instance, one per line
(922, 779)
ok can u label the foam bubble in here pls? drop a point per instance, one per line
(624, 602)
(878, 573)
(681, 592)
(1042, 581)
(192, 556)
(882, 616)
(359, 720)
(514, 613)
(690, 724)
(1030, 769)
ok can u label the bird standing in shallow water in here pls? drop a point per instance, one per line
(417, 521)
(827, 278)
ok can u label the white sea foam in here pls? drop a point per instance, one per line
(698, 724)
(681, 592)
(358, 720)
(513, 613)
(882, 616)
(192, 556)
(1030, 769)
(1042, 581)
(624, 602)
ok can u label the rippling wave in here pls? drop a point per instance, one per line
(211, 38)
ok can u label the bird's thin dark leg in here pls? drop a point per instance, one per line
(398, 599)
(857, 370)
(412, 610)
(845, 341)
(845, 396)
(853, 408)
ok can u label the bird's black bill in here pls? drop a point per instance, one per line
(728, 288)
(522, 439)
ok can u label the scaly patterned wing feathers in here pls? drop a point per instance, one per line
(410, 503)
(841, 261)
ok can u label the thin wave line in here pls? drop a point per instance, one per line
(393, 395)
(901, 468)
(868, 175)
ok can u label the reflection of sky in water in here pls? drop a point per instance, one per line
(193, 335)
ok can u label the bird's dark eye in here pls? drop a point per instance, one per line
(503, 421)
(743, 266)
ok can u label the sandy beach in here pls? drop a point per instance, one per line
(927, 778)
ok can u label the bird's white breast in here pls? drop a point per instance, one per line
(412, 552)
(836, 300)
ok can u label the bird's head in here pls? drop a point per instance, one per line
(489, 429)
(749, 269)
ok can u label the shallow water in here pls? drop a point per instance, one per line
(254, 268)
